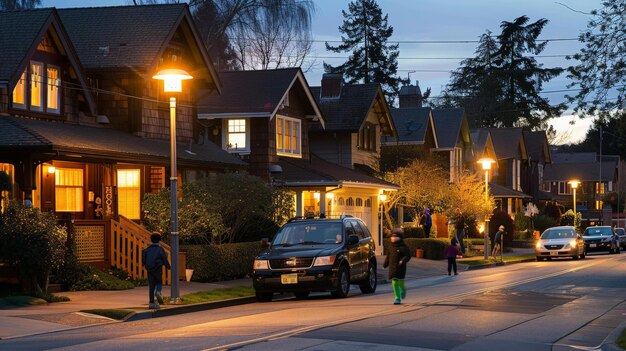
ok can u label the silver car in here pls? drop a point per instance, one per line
(560, 242)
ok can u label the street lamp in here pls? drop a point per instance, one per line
(486, 163)
(574, 184)
(381, 199)
(173, 83)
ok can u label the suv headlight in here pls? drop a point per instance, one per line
(538, 246)
(572, 243)
(261, 264)
(324, 261)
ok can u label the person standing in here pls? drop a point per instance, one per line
(451, 252)
(497, 242)
(427, 222)
(397, 256)
(460, 227)
(154, 258)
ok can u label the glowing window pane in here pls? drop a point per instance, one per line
(19, 92)
(279, 133)
(68, 190)
(129, 193)
(237, 134)
(36, 89)
(287, 135)
(53, 89)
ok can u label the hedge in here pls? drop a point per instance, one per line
(212, 263)
(433, 248)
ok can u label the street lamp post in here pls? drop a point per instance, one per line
(574, 184)
(172, 83)
(486, 163)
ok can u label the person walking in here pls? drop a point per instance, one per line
(451, 252)
(427, 222)
(154, 258)
(459, 225)
(497, 242)
(397, 256)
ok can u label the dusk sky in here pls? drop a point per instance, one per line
(447, 20)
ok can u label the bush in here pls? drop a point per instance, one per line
(433, 248)
(543, 222)
(414, 232)
(213, 263)
(568, 218)
(501, 218)
(554, 211)
(91, 278)
(521, 221)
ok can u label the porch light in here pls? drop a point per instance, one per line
(382, 197)
(51, 169)
(172, 79)
(330, 196)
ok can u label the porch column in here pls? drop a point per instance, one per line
(299, 203)
(323, 202)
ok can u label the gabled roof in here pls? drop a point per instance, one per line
(482, 144)
(411, 125)
(349, 112)
(104, 143)
(537, 146)
(318, 172)
(508, 143)
(132, 37)
(20, 34)
(583, 171)
(256, 94)
(568, 157)
(448, 125)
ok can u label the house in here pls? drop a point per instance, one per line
(265, 118)
(454, 143)
(539, 156)
(85, 127)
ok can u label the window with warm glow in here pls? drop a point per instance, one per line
(19, 92)
(599, 205)
(288, 136)
(53, 96)
(68, 190)
(36, 86)
(129, 193)
(236, 135)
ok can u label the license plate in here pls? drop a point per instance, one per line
(554, 253)
(592, 245)
(289, 278)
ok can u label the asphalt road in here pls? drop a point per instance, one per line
(557, 305)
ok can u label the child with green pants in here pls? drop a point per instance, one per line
(397, 256)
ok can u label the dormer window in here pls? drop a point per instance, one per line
(36, 86)
(42, 93)
(288, 136)
(237, 136)
(53, 96)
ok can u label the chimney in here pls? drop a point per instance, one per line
(411, 96)
(331, 85)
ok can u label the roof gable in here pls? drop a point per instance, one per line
(537, 146)
(449, 123)
(411, 126)
(508, 143)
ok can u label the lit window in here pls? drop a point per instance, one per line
(359, 202)
(19, 92)
(350, 202)
(236, 135)
(36, 86)
(599, 205)
(128, 193)
(288, 136)
(68, 190)
(565, 188)
(53, 96)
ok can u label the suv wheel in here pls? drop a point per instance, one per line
(264, 296)
(343, 283)
(368, 285)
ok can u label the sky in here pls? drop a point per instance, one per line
(417, 21)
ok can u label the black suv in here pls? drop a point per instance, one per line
(317, 255)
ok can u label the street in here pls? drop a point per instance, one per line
(555, 305)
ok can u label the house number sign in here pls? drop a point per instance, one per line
(108, 201)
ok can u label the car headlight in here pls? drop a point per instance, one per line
(324, 261)
(572, 243)
(261, 264)
(538, 245)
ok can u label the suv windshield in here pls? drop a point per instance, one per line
(309, 234)
(558, 234)
(598, 231)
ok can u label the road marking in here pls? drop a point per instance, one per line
(412, 307)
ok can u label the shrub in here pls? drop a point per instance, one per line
(568, 218)
(433, 248)
(91, 278)
(221, 262)
(554, 211)
(413, 232)
(543, 222)
(521, 221)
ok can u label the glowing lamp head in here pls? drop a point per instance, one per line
(486, 162)
(172, 79)
(382, 197)
(574, 183)
(51, 169)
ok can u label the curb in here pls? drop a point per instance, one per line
(609, 343)
(174, 310)
(497, 264)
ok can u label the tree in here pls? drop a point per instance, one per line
(467, 199)
(500, 86)
(601, 70)
(8, 5)
(371, 60)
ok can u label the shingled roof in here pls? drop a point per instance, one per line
(507, 143)
(499, 191)
(583, 171)
(411, 125)
(448, 123)
(349, 111)
(105, 143)
(537, 146)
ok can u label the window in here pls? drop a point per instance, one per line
(19, 92)
(599, 187)
(546, 186)
(68, 190)
(36, 88)
(129, 193)
(359, 202)
(236, 135)
(599, 205)
(350, 202)
(288, 137)
(367, 137)
(53, 96)
(564, 188)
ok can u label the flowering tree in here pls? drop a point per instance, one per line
(467, 201)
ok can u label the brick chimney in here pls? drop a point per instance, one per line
(331, 85)
(411, 96)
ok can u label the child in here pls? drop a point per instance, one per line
(451, 252)
(154, 258)
(397, 256)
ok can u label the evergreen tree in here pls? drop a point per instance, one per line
(371, 60)
(18, 4)
(500, 86)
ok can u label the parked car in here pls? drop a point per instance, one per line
(560, 242)
(621, 233)
(600, 238)
(317, 255)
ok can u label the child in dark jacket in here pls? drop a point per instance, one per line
(154, 258)
(451, 252)
(398, 255)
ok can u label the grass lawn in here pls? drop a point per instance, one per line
(110, 313)
(621, 341)
(217, 294)
(18, 300)
(475, 262)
